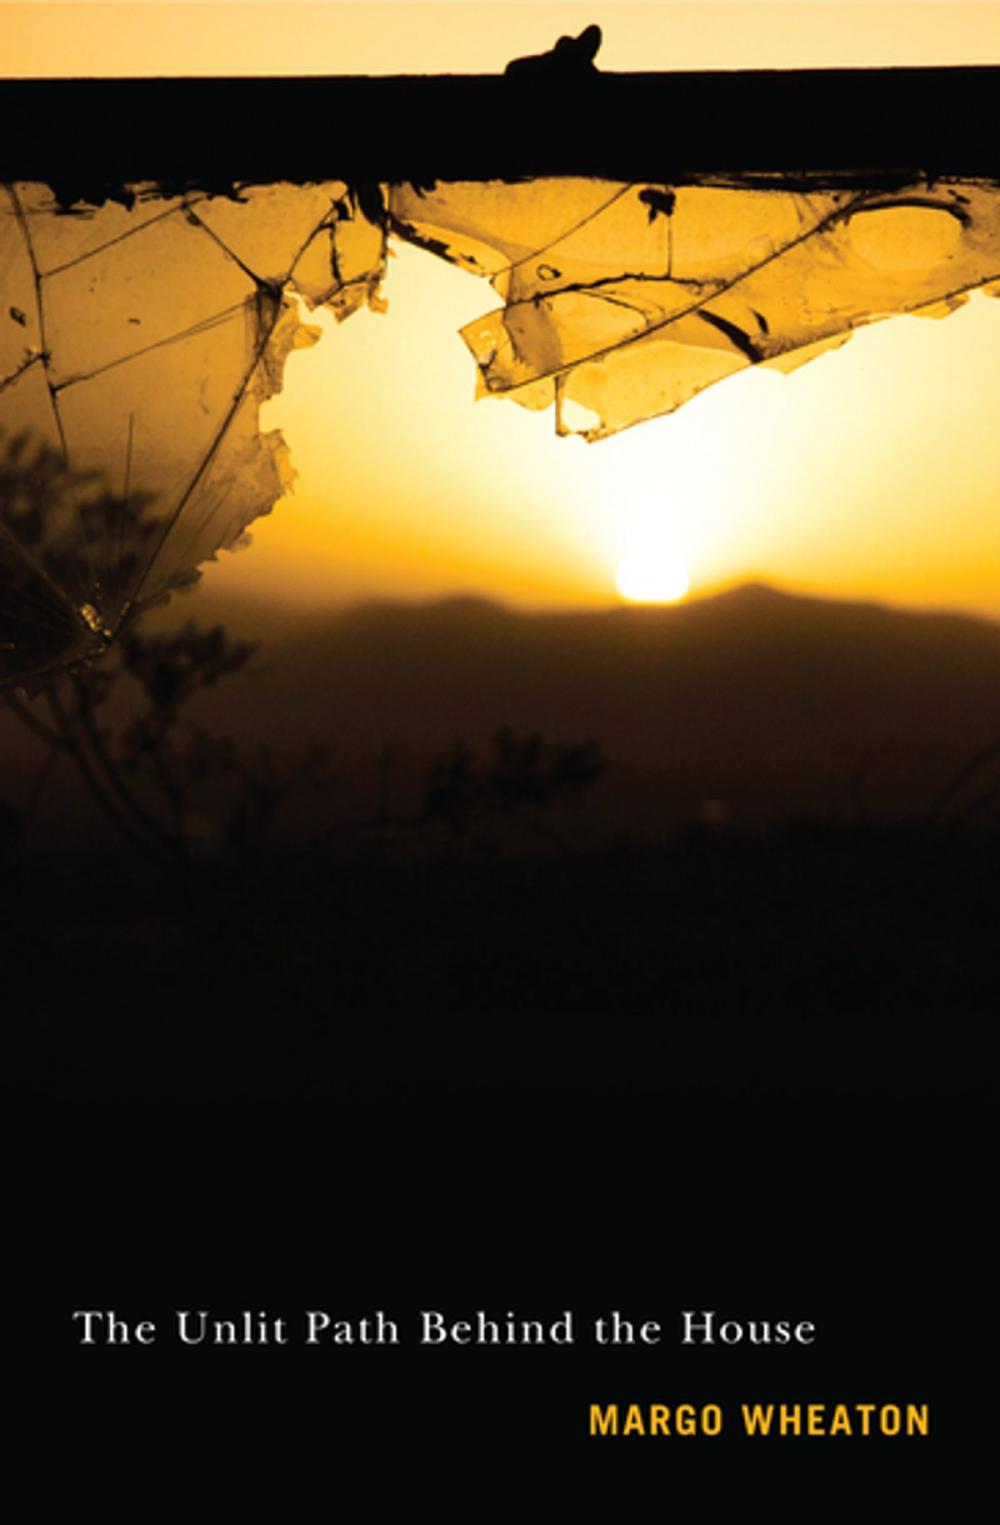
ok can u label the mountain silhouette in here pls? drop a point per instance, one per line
(751, 706)
(724, 900)
(768, 704)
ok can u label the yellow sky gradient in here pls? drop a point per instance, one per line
(135, 37)
(872, 472)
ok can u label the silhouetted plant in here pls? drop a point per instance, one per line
(971, 794)
(263, 790)
(172, 669)
(157, 775)
(39, 492)
(72, 547)
(526, 775)
(453, 790)
(532, 773)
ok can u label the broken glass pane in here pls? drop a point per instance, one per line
(621, 302)
(137, 345)
(139, 340)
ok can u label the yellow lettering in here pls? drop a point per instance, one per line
(633, 1421)
(711, 1419)
(756, 1418)
(891, 1419)
(790, 1419)
(866, 1410)
(604, 1421)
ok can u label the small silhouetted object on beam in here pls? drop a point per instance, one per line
(569, 61)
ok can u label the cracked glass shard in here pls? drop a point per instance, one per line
(138, 342)
(623, 301)
(139, 339)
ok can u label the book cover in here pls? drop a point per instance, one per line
(505, 962)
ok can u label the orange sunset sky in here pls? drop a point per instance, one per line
(871, 473)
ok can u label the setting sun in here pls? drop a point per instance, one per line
(653, 571)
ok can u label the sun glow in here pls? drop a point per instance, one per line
(867, 474)
(653, 571)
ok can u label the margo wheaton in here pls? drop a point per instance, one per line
(781, 1419)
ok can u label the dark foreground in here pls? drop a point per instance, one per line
(749, 1075)
(808, 958)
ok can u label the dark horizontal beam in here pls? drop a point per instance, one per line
(88, 137)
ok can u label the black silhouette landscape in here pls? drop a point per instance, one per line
(776, 868)
(740, 711)
(745, 709)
